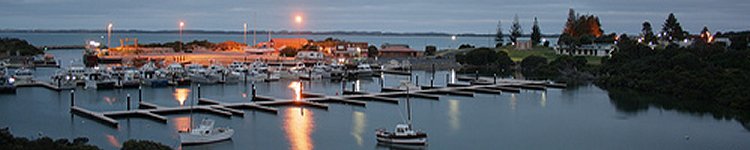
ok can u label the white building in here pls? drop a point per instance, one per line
(596, 49)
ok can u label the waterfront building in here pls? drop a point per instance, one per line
(594, 49)
(397, 50)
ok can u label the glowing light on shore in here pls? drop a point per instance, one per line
(296, 86)
(181, 94)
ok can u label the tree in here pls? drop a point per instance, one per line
(515, 30)
(288, 52)
(372, 51)
(705, 35)
(536, 35)
(499, 35)
(430, 50)
(672, 30)
(648, 33)
(463, 46)
(143, 144)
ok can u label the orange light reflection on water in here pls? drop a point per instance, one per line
(181, 94)
(113, 141)
(182, 123)
(298, 125)
(296, 86)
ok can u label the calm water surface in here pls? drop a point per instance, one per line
(583, 117)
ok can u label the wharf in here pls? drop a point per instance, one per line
(313, 100)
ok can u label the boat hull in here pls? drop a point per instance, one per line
(192, 139)
(418, 139)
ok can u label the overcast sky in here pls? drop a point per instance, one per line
(451, 16)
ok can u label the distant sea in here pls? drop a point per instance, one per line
(414, 41)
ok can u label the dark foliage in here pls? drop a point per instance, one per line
(704, 72)
(288, 52)
(486, 58)
(9, 142)
(372, 51)
(430, 50)
(12, 45)
(672, 29)
(143, 145)
(536, 33)
(464, 46)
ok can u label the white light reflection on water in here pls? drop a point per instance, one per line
(513, 101)
(454, 114)
(358, 128)
(543, 100)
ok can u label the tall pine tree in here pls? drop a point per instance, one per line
(536, 35)
(672, 30)
(515, 30)
(648, 33)
(499, 41)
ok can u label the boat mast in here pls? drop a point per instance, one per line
(408, 108)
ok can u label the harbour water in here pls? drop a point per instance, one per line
(580, 117)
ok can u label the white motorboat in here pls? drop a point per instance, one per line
(205, 133)
(238, 67)
(403, 133)
(362, 70)
(130, 79)
(23, 75)
(99, 79)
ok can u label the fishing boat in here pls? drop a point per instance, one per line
(6, 82)
(205, 133)
(130, 78)
(198, 74)
(237, 66)
(23, 75)
(98, 78)
(403, 133)
(362, 70)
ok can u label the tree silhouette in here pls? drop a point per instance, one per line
(672, 30)
(536, 35)
(515, 30)
(499, 35)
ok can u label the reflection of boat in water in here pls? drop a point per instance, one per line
(392, 146)
(403, 134)
(205, 133)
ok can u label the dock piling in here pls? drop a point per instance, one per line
(416, 80)
(253, 86)
(199, 91)
(476, 75)
(72, 98)
(494, 78)
(140, 94)
(128, 99)
(432, 81)
(354, 84)
(447, 78)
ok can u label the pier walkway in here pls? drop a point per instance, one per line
(315, 100)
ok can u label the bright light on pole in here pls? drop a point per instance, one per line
(182, 25)
(244, 33)
(298, 19)
(109, 34)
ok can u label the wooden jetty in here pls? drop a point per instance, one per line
(314, 100)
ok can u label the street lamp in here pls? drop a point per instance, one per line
(109, 34)
(244, 33)
(182, 25)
